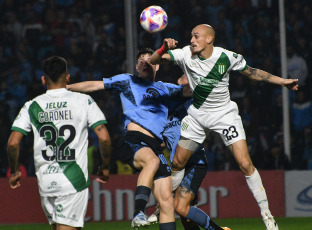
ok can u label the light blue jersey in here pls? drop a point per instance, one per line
(171, 134)
(144, 102)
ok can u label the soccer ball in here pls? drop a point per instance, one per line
(153, 19)
(226, 228)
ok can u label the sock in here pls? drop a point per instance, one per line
(198, 216)
(214, 226)
(255, 185)
(167, 226)
(142, 194)
(176, 178)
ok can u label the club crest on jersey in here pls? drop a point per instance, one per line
(221, 68)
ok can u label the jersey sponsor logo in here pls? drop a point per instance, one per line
(206, 81)
(54, 185)
(74, 217)
(54, 169)
(235, 55)
(152, 94)
(172, 124)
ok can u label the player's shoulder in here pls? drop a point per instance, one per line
(185, 49)
(168, 85)
(229, 53)
(80, 97)
(122, 76)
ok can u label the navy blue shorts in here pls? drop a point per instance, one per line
(133, 141)
(193, 177)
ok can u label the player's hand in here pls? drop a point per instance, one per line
(103, 175)
(169, 43)
(14, 180)
(291, 84)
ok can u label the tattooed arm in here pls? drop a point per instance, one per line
(105, 150)
(260, 75)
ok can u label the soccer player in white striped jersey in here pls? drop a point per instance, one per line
(207, 69)
(59, 120)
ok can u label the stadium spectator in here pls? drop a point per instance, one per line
(254, 15)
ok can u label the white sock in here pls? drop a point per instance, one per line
(256, 187)
(176, 178)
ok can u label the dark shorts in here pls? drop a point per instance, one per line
(133, 141)
(193, 177)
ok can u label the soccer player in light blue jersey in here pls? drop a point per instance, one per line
(145, 109)
(195, 170)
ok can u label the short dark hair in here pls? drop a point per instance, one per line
(144, 51)
(54, 67)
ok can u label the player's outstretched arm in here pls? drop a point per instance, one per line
(161, 56)
(260, 75)
(86, 86)
(105, 150)
(13, 154)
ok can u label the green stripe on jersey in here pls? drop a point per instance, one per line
(73, 172)
(207, 84)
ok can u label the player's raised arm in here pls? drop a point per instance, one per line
(161, 56)
(86, 86)
(260, 75)
(105, 150)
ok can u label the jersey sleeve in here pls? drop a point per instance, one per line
(95, 115)
(22, 122)
(174, 90)
(239, 62)
(177, 55)
(116, 83)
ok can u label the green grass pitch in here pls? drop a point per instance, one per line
(298, 223)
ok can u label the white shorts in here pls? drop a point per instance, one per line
(68, 210)
(197, 124)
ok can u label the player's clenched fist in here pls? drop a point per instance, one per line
(170, 43)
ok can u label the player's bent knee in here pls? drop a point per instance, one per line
(177, 164)
(180, 209)
(153, 163)
(247, 167)
(166, 202)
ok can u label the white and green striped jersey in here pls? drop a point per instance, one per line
(208, 78)
(59, 120)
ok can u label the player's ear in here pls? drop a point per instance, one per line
(209, 39)
(136, 67)
(67, 79)
(43, 81)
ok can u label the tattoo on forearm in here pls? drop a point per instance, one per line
(106, 154)
(259, 74)
(252, 71)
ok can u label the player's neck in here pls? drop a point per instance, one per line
(206, 53)
(149, 78)
(56, 86)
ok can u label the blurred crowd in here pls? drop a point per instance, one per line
(90, 34)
